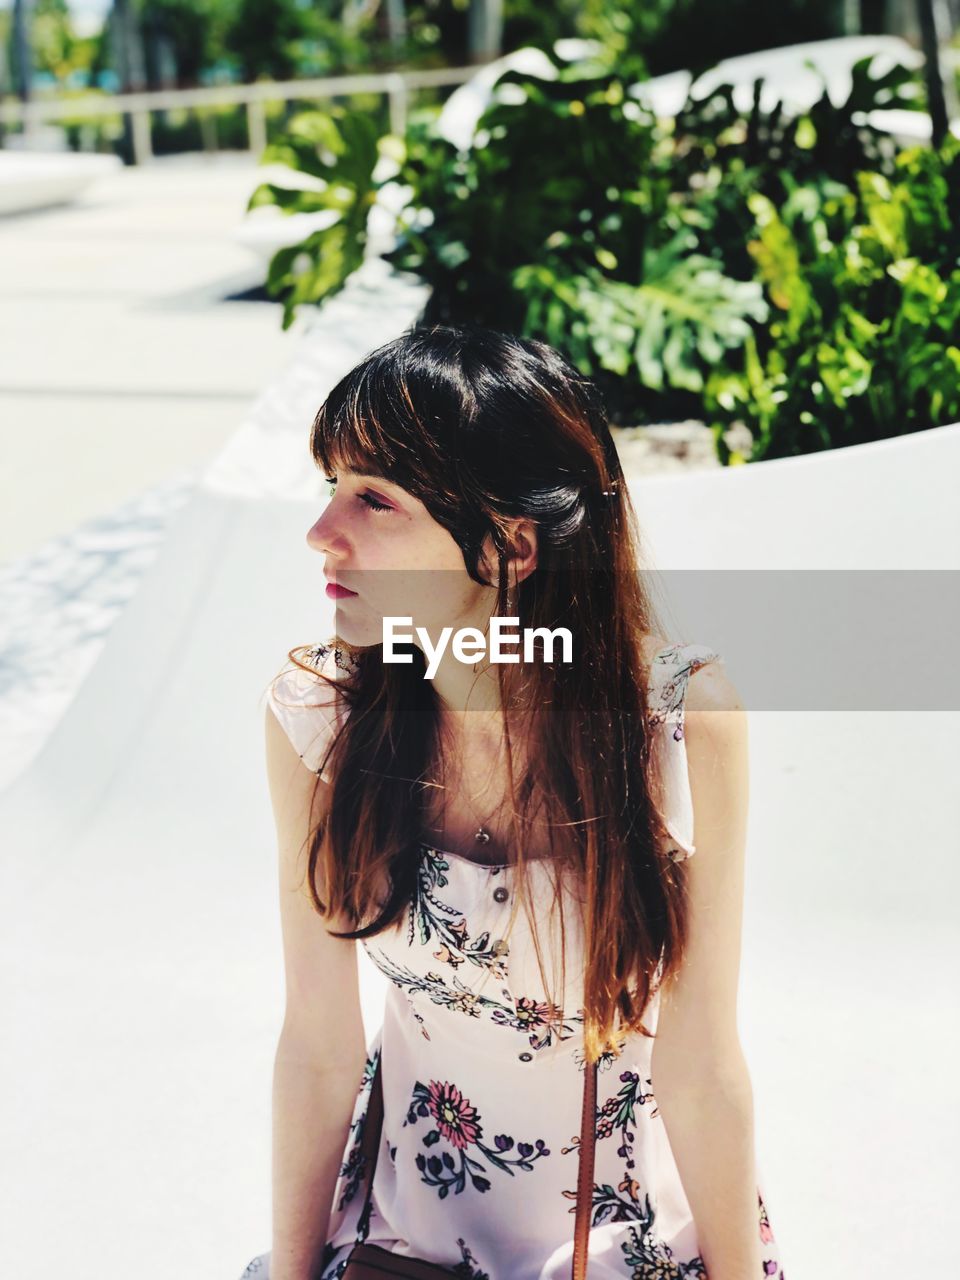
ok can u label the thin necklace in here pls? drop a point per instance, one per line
(482, 835)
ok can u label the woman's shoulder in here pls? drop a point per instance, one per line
(307, 699)
(685, 678)
(312, 667)
(682, 672)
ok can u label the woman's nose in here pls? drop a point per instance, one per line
(321, 536)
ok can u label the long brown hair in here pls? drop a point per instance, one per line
(484, 427)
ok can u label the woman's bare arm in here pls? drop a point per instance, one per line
(321, 1051)
(698, 1071)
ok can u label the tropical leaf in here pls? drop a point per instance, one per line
(667, 330)
(339, 149)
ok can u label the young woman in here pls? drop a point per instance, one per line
(511, 842)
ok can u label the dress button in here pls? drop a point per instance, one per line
(525, 1057)
(500, 894)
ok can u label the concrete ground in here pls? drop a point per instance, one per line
(141, 945)
(122, 364)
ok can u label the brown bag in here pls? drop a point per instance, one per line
(368, 1261)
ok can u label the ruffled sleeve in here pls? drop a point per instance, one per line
(308, 708)
(670, 671)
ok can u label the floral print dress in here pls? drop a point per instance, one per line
(483, 1077)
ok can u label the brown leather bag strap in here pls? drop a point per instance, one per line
(370, 1149)
(581, 1231)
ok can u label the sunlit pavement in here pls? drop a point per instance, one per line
(121, 362)
(125, 372)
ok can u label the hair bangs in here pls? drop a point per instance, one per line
(368, 424)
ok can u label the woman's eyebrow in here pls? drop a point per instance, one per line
(370, 475)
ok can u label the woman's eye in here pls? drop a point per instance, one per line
(371, 501)
(367, 498)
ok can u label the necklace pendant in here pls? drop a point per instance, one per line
(482, 836)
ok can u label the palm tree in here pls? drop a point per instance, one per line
(127, 55)
(485, 38)
(23, 62)
(127, 46)
(935, 30)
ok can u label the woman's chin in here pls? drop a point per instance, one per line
(361, 632)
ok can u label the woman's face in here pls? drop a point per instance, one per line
(380, 542)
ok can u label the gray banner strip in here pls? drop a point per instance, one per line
(814, 640)
(790, 640)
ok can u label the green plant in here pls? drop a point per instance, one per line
(545, 178)
(339, 150)
(863, 339)
(557, 223)
(708, 266)
(723, 155)
(666, 35)
(667, 330)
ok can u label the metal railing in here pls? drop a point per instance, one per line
(397, 86)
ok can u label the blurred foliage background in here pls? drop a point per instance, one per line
(797, 273)
(793, 272)
(191, 42)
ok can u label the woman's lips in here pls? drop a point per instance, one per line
(335, 592)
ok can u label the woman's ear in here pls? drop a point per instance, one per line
(521, 555)
(523, 558)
